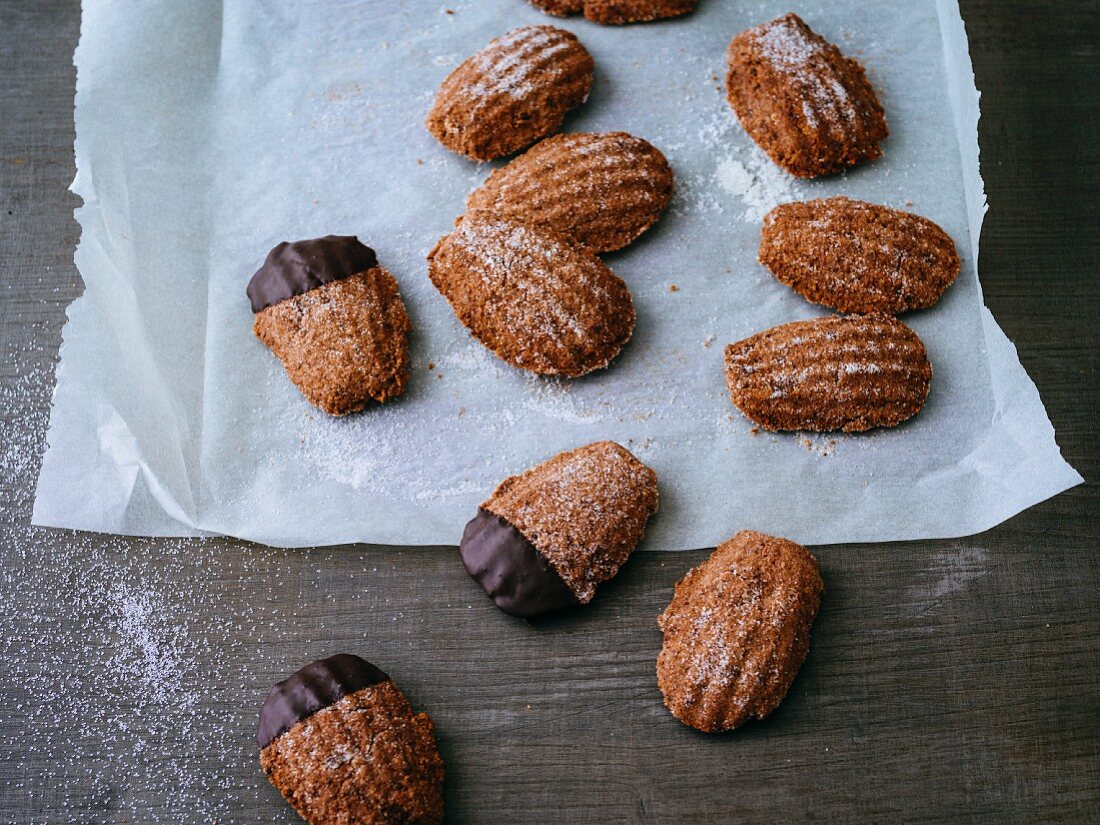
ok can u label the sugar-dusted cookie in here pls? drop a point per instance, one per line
(807, 105)
(858, 257)
(548, 537)
(737, 630)
(342, 744)
(335, 319)
(536, 298)
(829, 374)
(511, 93)
(617, 12)
(603, 190)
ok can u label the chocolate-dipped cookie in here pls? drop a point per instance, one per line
(336, 320)
(737, 630)
(548, 537)
(341, 743)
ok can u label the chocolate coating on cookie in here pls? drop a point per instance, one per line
(315, 687)
(295, 267)
(517, 577)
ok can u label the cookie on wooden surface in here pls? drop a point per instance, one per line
(603, 190)
(810, 108)
(547, 538)
(828, 374)
(737, 630)
(511, 93)
(341, 743)
(617, 12)
(858, 257)
(536, 298)
(335, 319)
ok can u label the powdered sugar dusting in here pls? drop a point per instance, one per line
(795, 52)
(756, 182)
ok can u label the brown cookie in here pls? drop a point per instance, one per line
(737, 630)
(603, 190)
(536, 298)
(858, 257)
(511, 93)
(341, 743)
(336, 321)
(617, 12)
(548, 537)
(829, 374)
(807, 105)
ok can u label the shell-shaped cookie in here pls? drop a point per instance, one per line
(858, 257)
(511, 93)
(341, 743)
(617, 12)
(343, 343)
(804, 103)
(603, 190)
(830, 374)
(737, 630)
(584, 510)
(536, 298)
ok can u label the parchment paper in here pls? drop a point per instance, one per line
(208, 131)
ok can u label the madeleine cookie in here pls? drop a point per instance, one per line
(536, 298)
(548, 537)
(737, 630)
(335, 319)
(830, 374)
(511, 93)
(858, 257)
(617, 12)
(341, 743)
(603, 190)
(804, 103)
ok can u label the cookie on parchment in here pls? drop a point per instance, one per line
(547, 538)
(539, 300)
(810, 108)
(336, 320)
(601, 189)
(737, 630)
(858, 257)
(841, 373)
(511, 93)
(617, 12)
(341, 743)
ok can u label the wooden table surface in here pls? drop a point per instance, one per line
(948, 680)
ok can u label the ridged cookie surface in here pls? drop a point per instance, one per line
(536, 298)
(858, 257)
(617, 12)
(804, 103)
(830, 374)
(737, 630)
(584, 510)
(511, 93)
(343, 343)
(603, 190)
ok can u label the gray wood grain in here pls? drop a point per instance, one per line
(952, 680)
